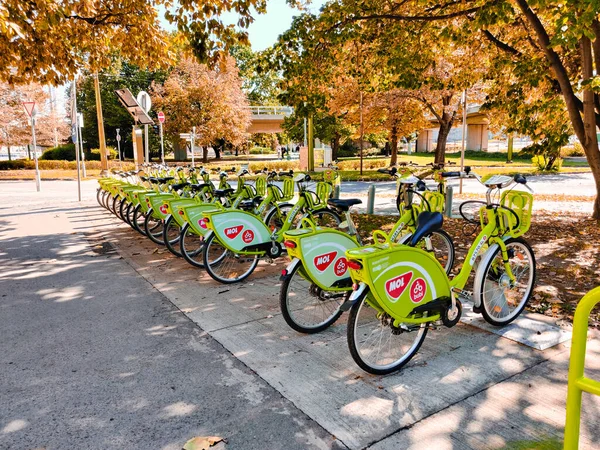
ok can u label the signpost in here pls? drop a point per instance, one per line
(143, 98)
(79, 127)
(464, 133)
(161, 120)
(119, 144)
(30, 109)
(75, 134)
(190, 138)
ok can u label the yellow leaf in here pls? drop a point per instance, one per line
(202, 442)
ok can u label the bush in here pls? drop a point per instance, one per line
(573, 150)
(62, 152)
(94, 154)
(261, 150)
(274, 165)
(368, 164)
(26, 164)
(547, 163)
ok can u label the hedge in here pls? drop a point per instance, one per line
(26, 164)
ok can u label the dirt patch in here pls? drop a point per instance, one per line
(567, 250)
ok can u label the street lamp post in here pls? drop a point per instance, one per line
(119, 144)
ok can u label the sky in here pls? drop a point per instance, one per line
(266, 28)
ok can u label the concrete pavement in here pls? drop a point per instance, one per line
(467, 388)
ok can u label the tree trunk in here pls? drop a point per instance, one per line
(440, 148)
(217, 152)
(335, 146)
(589, 120)
(204, 154)
(394, 145)
(28, 152)
(8, 147)
(585, 128)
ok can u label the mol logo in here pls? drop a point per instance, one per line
(232, 232)
(164, 209)
(397, 285)
(202, 223)
(322, 262)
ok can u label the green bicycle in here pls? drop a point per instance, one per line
(400, 291)
(237, 240)
(316, 283)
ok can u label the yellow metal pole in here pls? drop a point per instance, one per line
(578, 383)
(101, 138)
(311, 145)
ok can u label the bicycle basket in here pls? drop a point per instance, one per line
(288, 190)
(436, 201)
(521, 203)
(323, 192)
(261, 186)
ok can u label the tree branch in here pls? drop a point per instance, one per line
(558, 68)
(500, 44)
(401, 17)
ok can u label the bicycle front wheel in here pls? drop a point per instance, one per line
(376, 345)
(225, 266)
(325, 218)
(502, 300)
(305, 306)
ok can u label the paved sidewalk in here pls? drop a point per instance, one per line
(241, 373)
(92, 356)
(467, 388)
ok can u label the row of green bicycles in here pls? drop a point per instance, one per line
(395, 289)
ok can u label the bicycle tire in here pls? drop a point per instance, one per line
(193, 256)
(138, 222)
(218, 268)
(355, 332)
(152, 232)
(288, 312)
(424, 201)
(172, 244)
(492, 286)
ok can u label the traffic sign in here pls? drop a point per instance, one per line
(29, 107)
(186, 136)
(161, 117)
(143, 98)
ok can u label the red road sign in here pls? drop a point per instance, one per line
(29, 106)
(161, 117)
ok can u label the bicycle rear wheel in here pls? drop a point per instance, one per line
(306, 307)
(172, 235)
(225, 266)
(325, 218)
(191, 246)
(138, 220)
(154, 228)
(502, 300)
(440, 244)
(376, 345)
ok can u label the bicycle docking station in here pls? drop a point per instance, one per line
(140, 117)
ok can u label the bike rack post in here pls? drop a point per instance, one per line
(578, 383)
(448, 205)
(371, 200)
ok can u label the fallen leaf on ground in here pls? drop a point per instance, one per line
(202, 442)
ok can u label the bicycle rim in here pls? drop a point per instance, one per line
(375, 346)
(225, 266)
(502, 301)
(192, 246)
(305, 307)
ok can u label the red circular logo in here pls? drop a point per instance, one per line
(248, 236)
(418, 289)
(164, 209)
(202, 223)
(341, 266)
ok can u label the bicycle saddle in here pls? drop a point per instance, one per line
(223, 192)
(343, 204)
(427, 223)
(178, 186)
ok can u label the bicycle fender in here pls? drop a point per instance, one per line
(289, 269)
(355, 297)
(479, 274)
